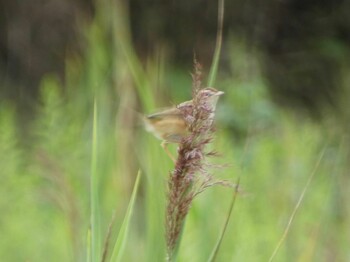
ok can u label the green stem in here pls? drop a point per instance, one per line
(216, 59)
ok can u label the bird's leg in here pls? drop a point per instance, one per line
(165, 147)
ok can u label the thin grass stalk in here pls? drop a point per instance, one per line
(94, 199)
(108, 237)
(217, 52)
(218, 243)
(297, 206)
(88, 246)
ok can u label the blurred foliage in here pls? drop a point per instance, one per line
(45, 179)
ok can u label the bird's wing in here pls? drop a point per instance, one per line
(166, 112)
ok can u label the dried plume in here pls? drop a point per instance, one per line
(190, 176)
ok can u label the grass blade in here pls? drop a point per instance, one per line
(285, 233)
(215, 64)
(94, 201)
(108, 237)
(88, 246)
(218, 243)
(124, 43)
(123, 233)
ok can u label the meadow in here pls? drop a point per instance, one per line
(73, 168)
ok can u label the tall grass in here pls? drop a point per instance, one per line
(45, 188)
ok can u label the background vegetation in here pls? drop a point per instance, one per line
(45, 165)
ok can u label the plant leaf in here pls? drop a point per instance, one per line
(94, 201)
(123, 233)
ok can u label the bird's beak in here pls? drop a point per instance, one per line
(219, 93)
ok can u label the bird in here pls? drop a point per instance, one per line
(170, 126)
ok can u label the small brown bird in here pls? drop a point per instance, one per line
(170, 126)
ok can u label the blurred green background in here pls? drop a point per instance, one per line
(45, 159)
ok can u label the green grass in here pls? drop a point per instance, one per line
(94, 194)
(45, 192)
(121, 241)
